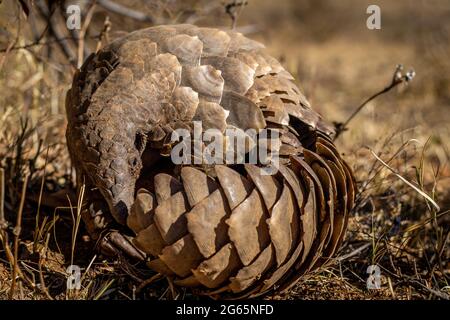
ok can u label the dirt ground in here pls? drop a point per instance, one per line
(338, 63)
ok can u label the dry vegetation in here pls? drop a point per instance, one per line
(338, 63)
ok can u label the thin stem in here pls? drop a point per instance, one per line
(396, 80)
(17, 230)
(82, 34)
(3, 223)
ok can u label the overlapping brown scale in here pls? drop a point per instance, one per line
(264, 63)
(237, 143)
(298, 196)
(246, 58)
(306, 210)
(263, 67)
(243, 113)
(304, 114)
(328, 151)
(211, 115)
(324, 141)
(351, 193)
(235, 186)
(215, 42)
(327, 225)
(238, 76)
(267, 185)
(328, 180)
(141, 215)
(165, 64)
(326, 127)
(281, 223)
(170, 219)
(309, 228)
(247, 227)
(279, 272)
(285, 74)
(196, 184)
(182, 256)
(274, 111)
(240, 43)
(157, 34)
(258, 91)
(206, 223)
(275, 66)
(248, 275)
(166, 186)
(150, 241)
(340, 213)
(290, 139)
(302, 166)
(328, 185)
(287, 150)
(206, 80)
(309, 218)
(159, 266)
(214, 271)
(114, 83)
(290, 96)
(132, 48)
(316, 249)
(188, 49)
(313, 205)
(279, 85)
(186, 101)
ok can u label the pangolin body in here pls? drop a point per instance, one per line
(226, 229)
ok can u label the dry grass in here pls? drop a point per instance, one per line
(338, 63)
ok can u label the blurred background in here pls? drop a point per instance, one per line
(338, 63)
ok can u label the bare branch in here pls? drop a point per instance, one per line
(3, 223)
(234, 9)
(124, 11)
(63, 44)
(82, 34)
(17, 231)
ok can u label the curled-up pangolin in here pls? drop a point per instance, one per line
(223, 229)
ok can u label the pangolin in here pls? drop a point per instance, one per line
(224, 229)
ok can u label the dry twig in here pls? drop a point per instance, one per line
(234, 9)
(17, 230)
(124, 11)
(82, 34)
(398, 78)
